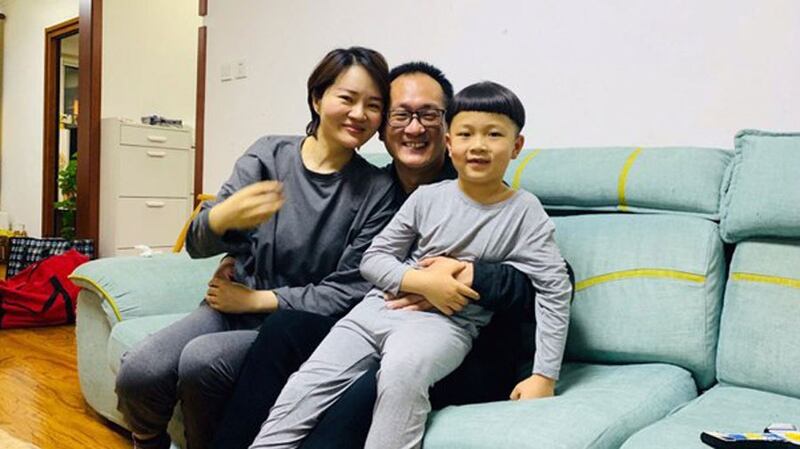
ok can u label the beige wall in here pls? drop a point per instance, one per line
(617, 72)
(150, 58)
(22, 103)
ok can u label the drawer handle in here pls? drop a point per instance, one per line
(156, 153)
(154, 203)
(160, 139)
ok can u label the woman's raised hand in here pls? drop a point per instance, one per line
(247, 208)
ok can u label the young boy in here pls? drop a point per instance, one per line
(474, 217)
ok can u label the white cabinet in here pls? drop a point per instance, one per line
(146, 183)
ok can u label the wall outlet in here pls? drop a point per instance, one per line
(240, 69)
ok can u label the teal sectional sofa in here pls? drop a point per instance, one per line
(686, 315)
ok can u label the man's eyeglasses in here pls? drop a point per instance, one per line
(400, 118)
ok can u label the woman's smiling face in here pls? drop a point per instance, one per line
(350, 110)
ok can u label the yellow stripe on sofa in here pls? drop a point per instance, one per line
(777, 280)
(656, 273)
(518, 174)
(106, 295)
(623, 179)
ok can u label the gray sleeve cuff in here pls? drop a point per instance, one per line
(202, 242)
(551, 371)
(395, 278)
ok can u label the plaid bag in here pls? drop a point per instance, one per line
(27, 250)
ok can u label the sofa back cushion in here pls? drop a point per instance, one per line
(764, 193)
(677, 180)
(759, 344)
(648, 289)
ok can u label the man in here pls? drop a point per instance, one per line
(414, 137)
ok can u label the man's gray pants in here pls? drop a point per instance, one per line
(414, 350)
(197, 360)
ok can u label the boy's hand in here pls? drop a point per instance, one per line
(461, 271)
(534, 387)
(247, 208)
(439, 288)
(231, 297)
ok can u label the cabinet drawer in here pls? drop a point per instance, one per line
(153, 172)
(153, 136)
(150, 221)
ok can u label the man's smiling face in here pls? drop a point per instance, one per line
(415, 147)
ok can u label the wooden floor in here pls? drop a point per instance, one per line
(40, 399)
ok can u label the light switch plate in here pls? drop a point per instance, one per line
(225, 72)
(240, 69)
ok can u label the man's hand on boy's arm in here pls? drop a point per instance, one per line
(439, 287)
(534, 387)
(460, 271)
(407, 301)
(501, 286)
(231, 297)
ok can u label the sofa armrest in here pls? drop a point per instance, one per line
(134, 287)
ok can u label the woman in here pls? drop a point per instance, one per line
(294, 217)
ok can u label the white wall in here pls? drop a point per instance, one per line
(618, 72)
(22, 103)
(150, 58)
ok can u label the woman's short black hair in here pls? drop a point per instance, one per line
(488, 96)
(426, 69)
(336, 62)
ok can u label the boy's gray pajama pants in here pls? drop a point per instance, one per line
(414, 350)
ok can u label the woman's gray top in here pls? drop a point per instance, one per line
(309, 252)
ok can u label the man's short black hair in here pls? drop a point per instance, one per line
(427, 69)
(488, 96)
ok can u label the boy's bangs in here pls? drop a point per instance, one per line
(489, 97)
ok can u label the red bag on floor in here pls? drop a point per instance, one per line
(41, 295)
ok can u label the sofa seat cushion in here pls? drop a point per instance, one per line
(724, 408)
(126, 334)
(596, 406)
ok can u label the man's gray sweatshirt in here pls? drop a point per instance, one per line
(309, 252)
(440, 220)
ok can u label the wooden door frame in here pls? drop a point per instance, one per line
(52, 45)
(200, 103)
(87, 218)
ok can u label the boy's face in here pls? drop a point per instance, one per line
(481, 145)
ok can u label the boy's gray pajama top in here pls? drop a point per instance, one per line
(416, 349)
